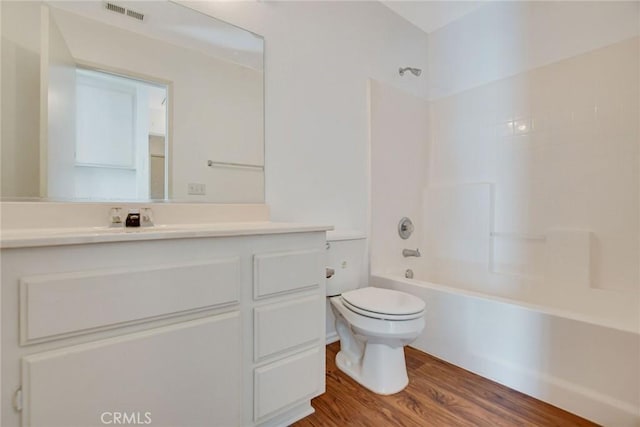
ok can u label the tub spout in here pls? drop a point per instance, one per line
(410, 252)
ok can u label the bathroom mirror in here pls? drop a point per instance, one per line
(129, 101)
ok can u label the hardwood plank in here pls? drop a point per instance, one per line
(439, 394)
(487, 393)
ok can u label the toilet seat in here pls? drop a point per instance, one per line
(385, 304)
(371, 326)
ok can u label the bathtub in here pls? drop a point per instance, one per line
(589, 368)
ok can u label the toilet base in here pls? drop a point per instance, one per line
(382, 368)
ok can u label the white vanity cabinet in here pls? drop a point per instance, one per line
(203, 331)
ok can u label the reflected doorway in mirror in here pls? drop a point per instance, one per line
(120, 138)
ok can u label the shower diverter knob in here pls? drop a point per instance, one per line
(405, 228)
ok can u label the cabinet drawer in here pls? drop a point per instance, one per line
(282, 272)
(287, 325)
(72, 303)
(288, 381)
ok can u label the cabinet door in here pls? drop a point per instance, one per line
(186, 374)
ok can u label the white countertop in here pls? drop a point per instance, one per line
(33, 237)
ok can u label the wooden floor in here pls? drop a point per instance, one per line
(438, 394)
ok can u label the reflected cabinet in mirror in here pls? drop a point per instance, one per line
(129, 101)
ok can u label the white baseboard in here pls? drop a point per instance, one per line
(332, 337)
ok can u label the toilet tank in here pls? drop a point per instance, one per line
(346, 252)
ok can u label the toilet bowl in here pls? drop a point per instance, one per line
(374, 325)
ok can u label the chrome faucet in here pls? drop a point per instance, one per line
(410, 252)
(140, 218)
(135, 218)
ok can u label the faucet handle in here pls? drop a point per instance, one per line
(146, 217)
(115, 217)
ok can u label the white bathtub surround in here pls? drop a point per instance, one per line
(399, 153)
(533, 187)
(559, 147)
(576, 364)
(529, 207)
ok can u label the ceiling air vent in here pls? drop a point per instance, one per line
(124, 11)
(115, 8)
(136, 15)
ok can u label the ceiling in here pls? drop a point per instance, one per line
(179, 25)
(431, 15)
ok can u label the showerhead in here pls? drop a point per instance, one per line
(415, 71)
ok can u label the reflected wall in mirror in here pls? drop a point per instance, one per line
(129, 101)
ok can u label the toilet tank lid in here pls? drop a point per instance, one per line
(337, 235)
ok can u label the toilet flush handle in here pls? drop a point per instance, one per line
(330, 272)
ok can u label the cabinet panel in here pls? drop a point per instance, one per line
(68, 303)
(281, 272)
(284, 326)
(184, 374)
(283, 383)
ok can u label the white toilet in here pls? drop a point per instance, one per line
(373, 324)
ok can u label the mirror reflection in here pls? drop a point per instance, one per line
(129, 101)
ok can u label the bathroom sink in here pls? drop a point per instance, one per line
(85, 231)
(92, 234)
(110, 233)
(118, 230)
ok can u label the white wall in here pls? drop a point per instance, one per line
(319, 56)
(20, 144)
(319, 59)
(501, 39)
